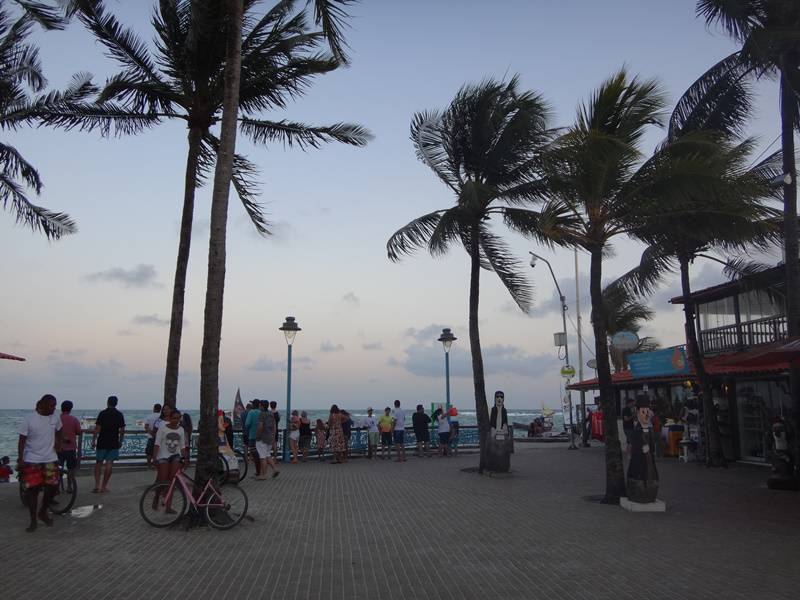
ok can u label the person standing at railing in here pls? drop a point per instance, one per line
(253, 414)
(68, 455)
(273, 409)
(420, 421)
(373, 435)
(294, 434)
(443, 425)
(150, 428)
(109, 431)
(305, 434)
(322, 438)
(39, 440)
(338, 446)
(264, 437)
(385, 425)
(399, 417)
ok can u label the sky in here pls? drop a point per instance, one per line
(90, 313)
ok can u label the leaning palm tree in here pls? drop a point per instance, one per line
(624, 311)
(183, 78)
(21, 76)
(592, 170)
(485, 147)
(720, 207)
(769, 34)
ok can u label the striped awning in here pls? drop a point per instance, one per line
(5, 356)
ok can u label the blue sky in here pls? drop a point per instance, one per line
(89, 312)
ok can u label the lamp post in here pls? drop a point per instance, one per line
(447, 338)
(289, 329)
(563, 299)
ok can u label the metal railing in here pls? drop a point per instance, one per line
(745, 335)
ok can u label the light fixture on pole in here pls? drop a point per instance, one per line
(560, 339)
(289, 329)
(447, 338)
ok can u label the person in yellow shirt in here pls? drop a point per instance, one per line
(385, 426)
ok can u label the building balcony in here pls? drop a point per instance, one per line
(731, 338)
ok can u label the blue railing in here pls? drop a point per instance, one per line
(134, 442)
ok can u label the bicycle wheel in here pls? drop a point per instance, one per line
(65, 497)
(234, 507)
(221, 471)
(155, 509)
(242, 460)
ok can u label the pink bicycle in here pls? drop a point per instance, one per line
(164, 503)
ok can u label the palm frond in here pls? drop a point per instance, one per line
(554, 224)
(48, 17)
(332, 16)
(13, 165)
(413, 236)
(427, 135)
(52, 224)
(303, 136)
(738, 17)
(645, 278)
(510, 270)
(739, 267)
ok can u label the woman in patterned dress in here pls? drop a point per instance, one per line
(337, 441)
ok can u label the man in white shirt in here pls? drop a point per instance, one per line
(399, 431)
(150, 428)
(39, 440)
(372, 433)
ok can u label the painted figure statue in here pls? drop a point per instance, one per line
(500, 444)
(642, 472)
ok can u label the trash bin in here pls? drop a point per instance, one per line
(674, 436)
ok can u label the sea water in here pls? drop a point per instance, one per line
(134, 420)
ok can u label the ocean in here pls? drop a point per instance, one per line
(11, 418)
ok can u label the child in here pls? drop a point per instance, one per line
(385, 425)
(5, 470)
(319, 431)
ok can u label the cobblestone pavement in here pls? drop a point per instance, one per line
(425, 529)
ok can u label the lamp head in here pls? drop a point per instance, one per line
(289, 329)
(534, 258)
(447, 338)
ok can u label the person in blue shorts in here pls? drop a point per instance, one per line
(109, 431)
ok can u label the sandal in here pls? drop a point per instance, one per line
(96, 491)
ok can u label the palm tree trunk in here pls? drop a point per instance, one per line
(478, 380)
(215, 287)
(182, 264)
(615, 476)
(790, 241)
(715, 457)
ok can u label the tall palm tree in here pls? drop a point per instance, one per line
(486, 148)
(718, 207)
(769, 32)
(183, 78)
(208, 446)
(592, 170)
(20, 76)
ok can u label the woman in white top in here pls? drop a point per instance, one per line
(170, 447)
(444, 430)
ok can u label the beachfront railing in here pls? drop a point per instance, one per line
(135, 441)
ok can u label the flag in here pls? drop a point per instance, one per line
(238, 410)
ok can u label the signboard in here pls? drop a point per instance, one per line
(568, 371)
(625, 340)
(669, 361)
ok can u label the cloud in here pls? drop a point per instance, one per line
(153, 319)
(200, 228)
(68, 369)
(351, 299)
(426, 334)
(125, 332)
(428, 361)
(56, 354)
(141, 276)
(328, 346)
(710, 274)
(372, 346)
(267, 365)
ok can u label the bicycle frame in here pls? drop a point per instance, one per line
(184, 480)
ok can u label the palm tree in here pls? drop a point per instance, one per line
(769, 32)
(486, 148)
(625, 312)
(592, 171)
(719, 207)
(208, 447)
(20, 74)
(183, 78)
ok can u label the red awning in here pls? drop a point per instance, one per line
(780, 354)
(10, 357)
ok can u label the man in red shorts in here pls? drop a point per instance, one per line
(39, 440)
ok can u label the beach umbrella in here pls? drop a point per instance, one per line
(5, 356)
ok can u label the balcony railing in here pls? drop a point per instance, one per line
(751, 333)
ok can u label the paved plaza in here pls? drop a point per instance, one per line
(425, 529)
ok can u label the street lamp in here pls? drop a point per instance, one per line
(447, 338)
(289, 329)
(559, 339)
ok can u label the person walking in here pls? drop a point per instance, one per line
(385, 425)
(169, 451)
(373, 435)
(39, 440)
(443, 426)
(70, 434)
(420, 422)
(109, 432)
(150, 429)
(322, 438)
(305, 435)
(338, 447)
(264, 436)
(294, 434)
(400, 431)
(251, 428)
